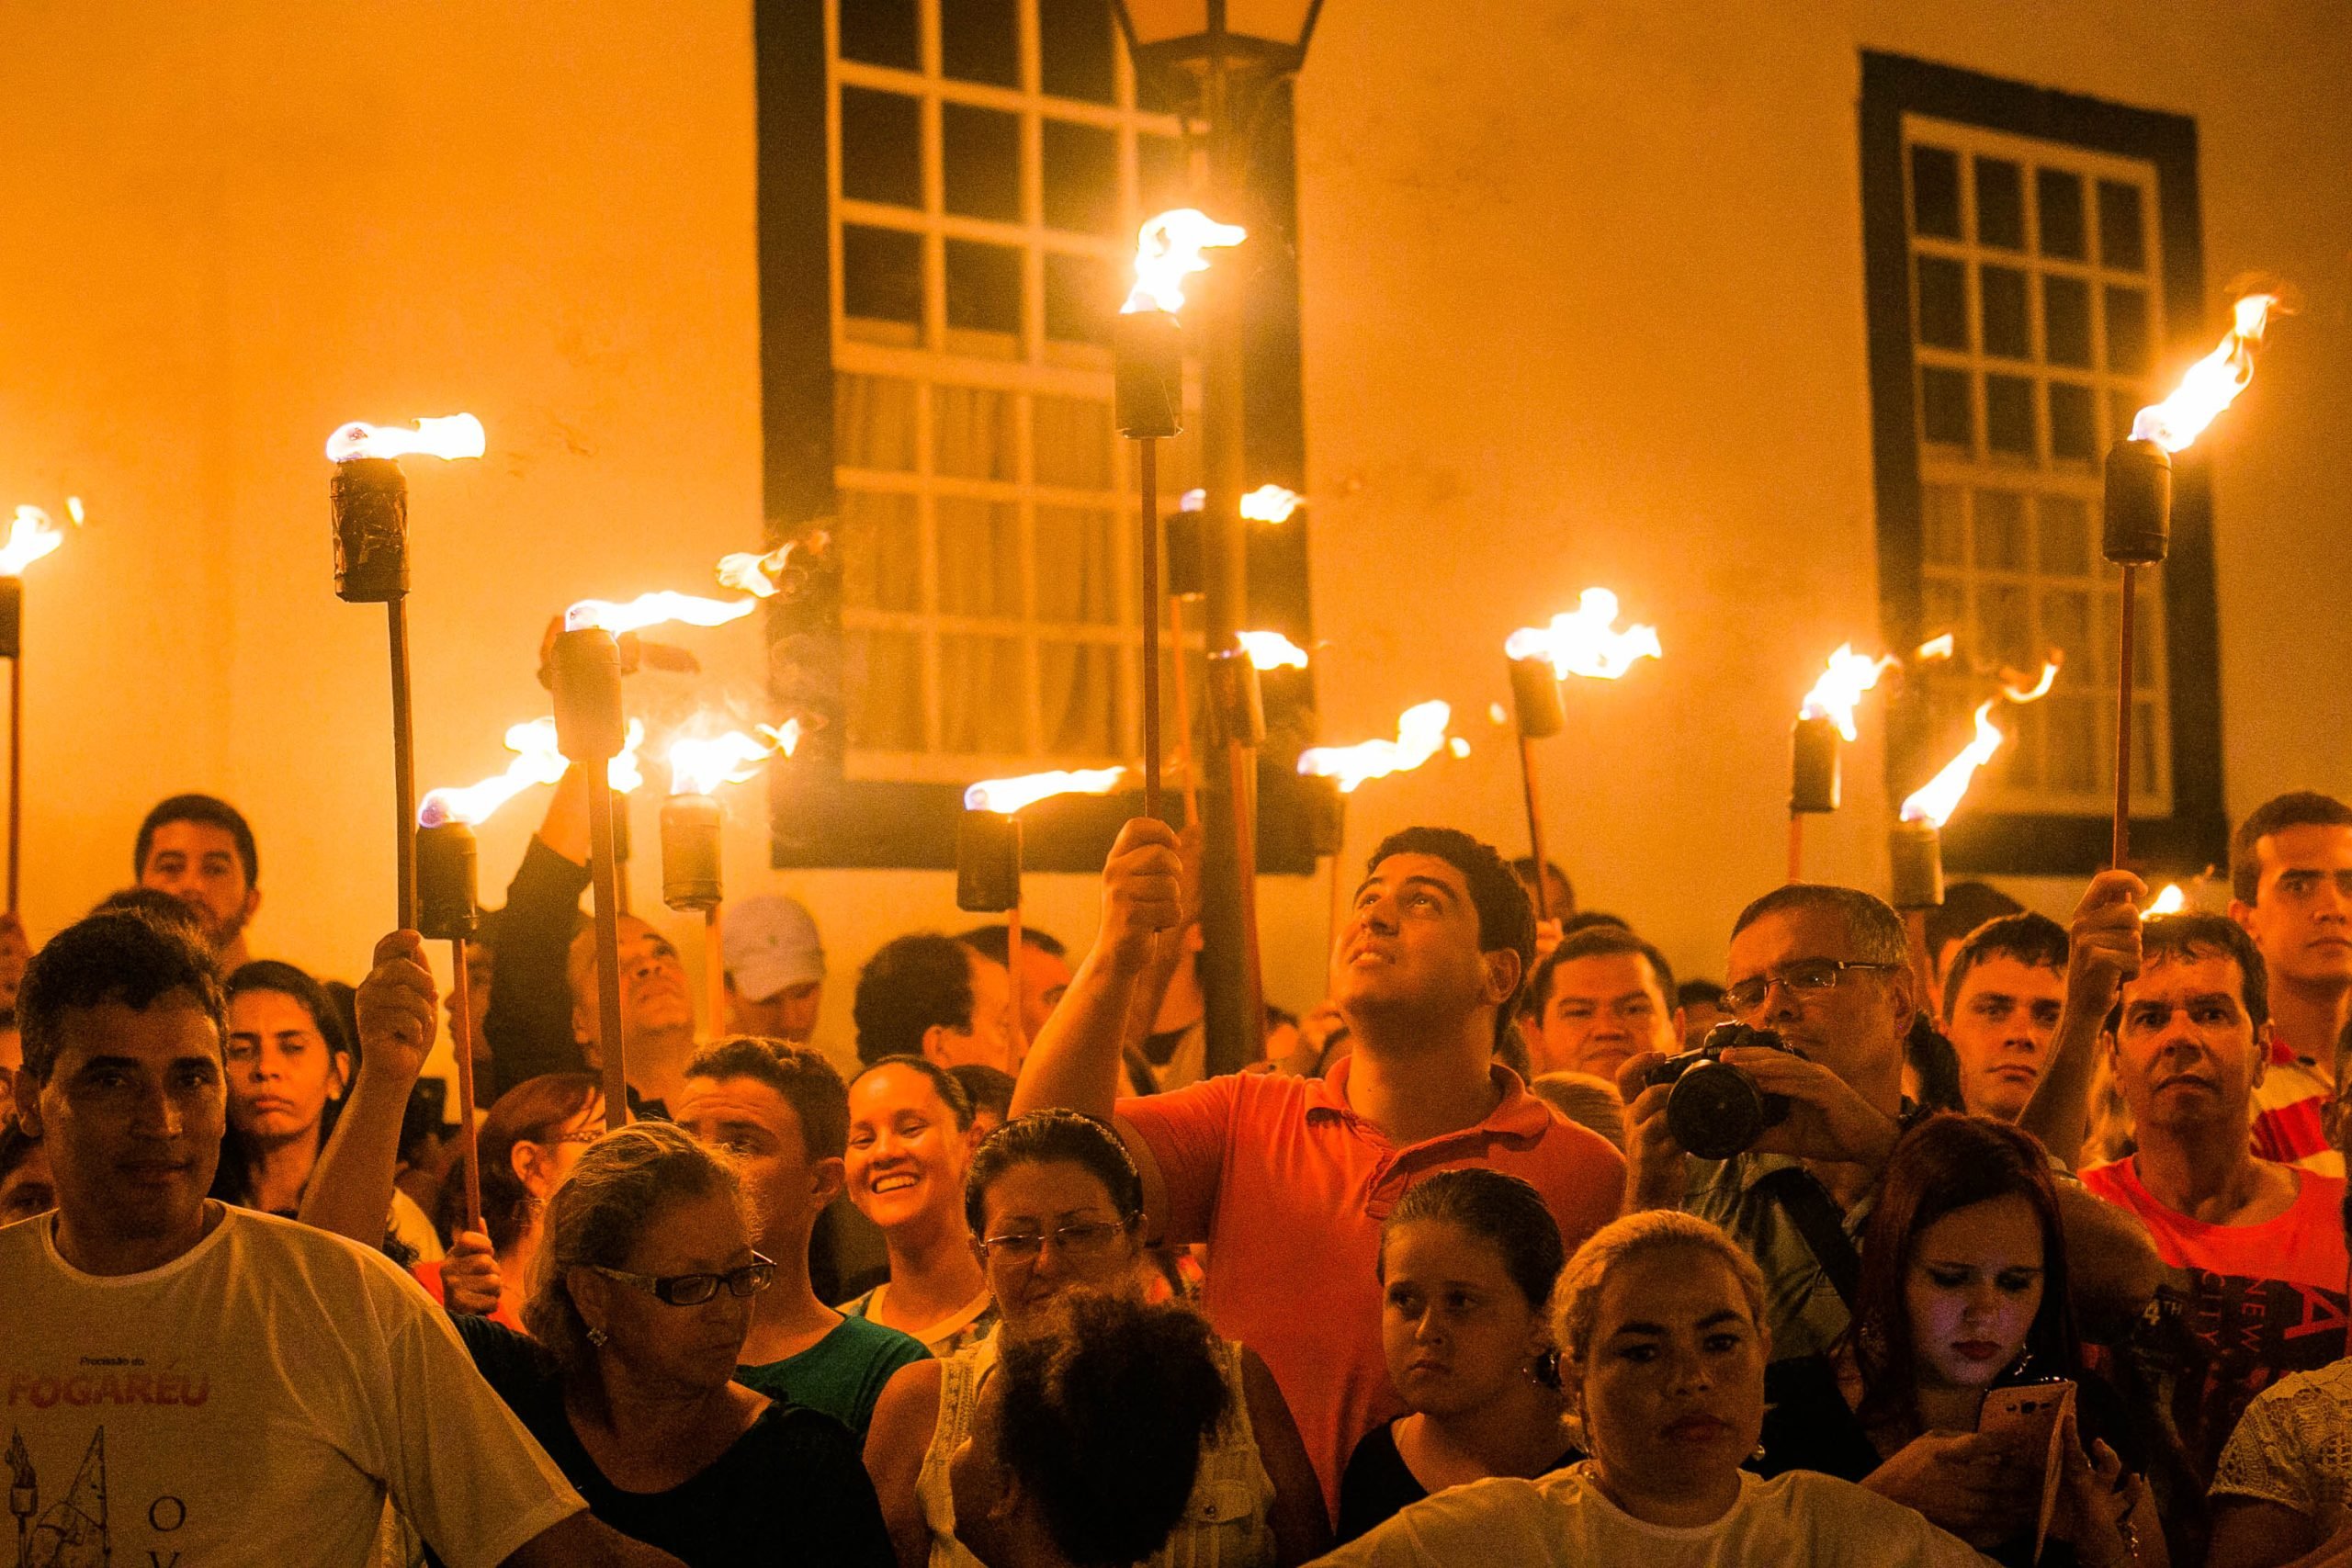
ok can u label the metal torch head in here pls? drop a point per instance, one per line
(1236, 697)
(1187, 565)
(1147, 373)
(1916, 851)
(988, 861)
(1535, 697)
(2139, 503)
(369, 496)
(446, 882)
(12, 617)
(588, 723)
(691, 826)
(1813, 746)
(1327, 814)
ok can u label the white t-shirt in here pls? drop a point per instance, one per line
(1564, 1521)
(2293, 1447)
(253, 1401)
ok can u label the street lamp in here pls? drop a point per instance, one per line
(1213, 61)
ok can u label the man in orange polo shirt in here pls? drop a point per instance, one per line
(1288, 1178)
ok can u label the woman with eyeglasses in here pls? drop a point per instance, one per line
(527, 1144)
(1056, 1210)
(640, 1299)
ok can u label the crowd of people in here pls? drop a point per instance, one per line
(1981, 1238)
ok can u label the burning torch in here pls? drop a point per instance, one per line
(446, 912)
(1149, 349)
(1584, 641)
(691, 826)
(2138, 519)
(370, 499)
(1824, 719)
(31, 536)
(988, 850)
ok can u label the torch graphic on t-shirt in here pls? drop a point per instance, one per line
(72, 1533)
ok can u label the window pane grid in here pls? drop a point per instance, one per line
(2035, 313)
(989, 586)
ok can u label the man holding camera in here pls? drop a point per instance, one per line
(1820, 988)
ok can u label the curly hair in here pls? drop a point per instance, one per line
(1103, 1418)
(616, 1193)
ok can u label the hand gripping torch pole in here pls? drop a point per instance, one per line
(691, 828)
(1149, 360)
(590, 732)
(1535, 695)
(370, 497)
(445, 912)
(2137, 533)
(988, 882)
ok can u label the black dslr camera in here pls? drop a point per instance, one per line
(1717, 1111)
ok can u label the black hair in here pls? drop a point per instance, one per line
(1597, 941)
(912, 984)
(128, 957)
(2298, 808)
(1103, 1418)
(990, 942)
(2030, 939)
(155, 904)
(1966, 905)
(1934, 1064)
(809, 1083)
(1500, 1210)
(950, 1093)
(2199, 935)
(212, 811)
(1523, 867)
(1505, 917)
(232, 1178)
(1871, 921)
(1585, 919)
(990, 1087)
(16, 1146)
(1699, 993)
(1054, 1137)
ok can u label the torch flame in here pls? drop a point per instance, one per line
(2211, 384)
(457, 436)
(653, 609)
(1841, 686)
(2171, 901)
(1935, 647)
(1934, 802)
(1269, 503)
(2041, 688)
(700, 765)
(1008, 796)
(1585, 642)
(784, 738)
(537, 762)
(31, 536)
(73, 510)
(1421, 735)
(1272, 650)
(751, 573)
(1168, 248)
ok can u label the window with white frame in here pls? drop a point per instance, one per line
(2036, 317)
(989, 164)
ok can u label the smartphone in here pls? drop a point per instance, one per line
(2027, 1419)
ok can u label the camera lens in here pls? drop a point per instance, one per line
(1715, 1111)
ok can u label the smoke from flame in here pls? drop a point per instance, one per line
(1169, 247)
(537, 762)
(455, 435)
(1841, 686)
(1421, 735)
(1006, 796)
(1935, 801)
(1272, 650)
(653, 609)
(31, 536)
(2211, 384)
(1585, 642)
(2171, 901)
(700, 765)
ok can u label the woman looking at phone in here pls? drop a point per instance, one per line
(1964, 1294)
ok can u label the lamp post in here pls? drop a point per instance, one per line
(1215, 69)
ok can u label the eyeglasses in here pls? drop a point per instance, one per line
(1810, 977)
(1087, 1240)
(693, 1290)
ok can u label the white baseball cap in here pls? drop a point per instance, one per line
(769, 942)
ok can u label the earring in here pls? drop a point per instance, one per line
(597, 1337)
